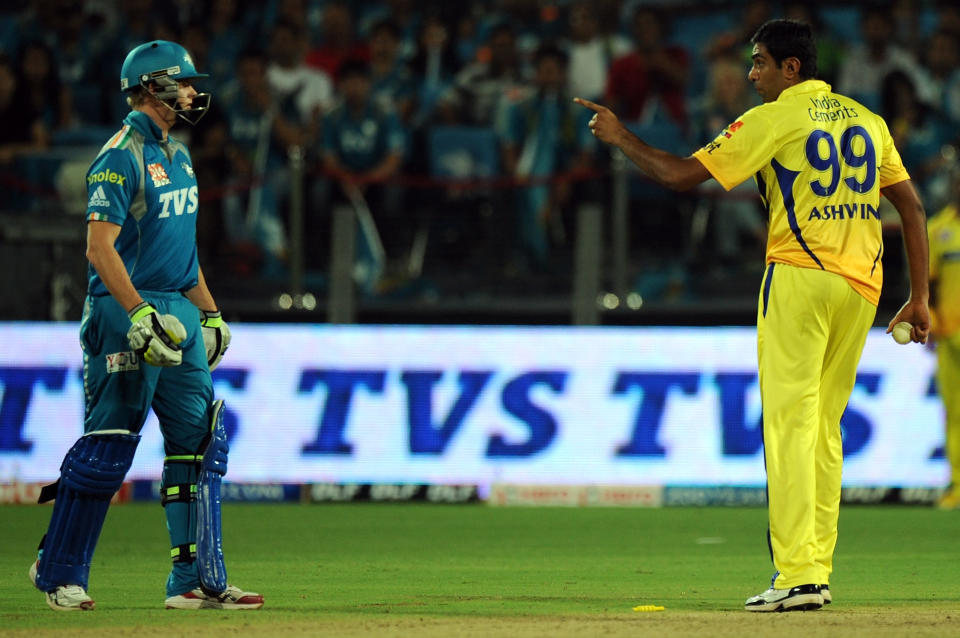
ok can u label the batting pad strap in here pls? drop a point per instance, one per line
(186, 553)
(183, 458)
(48, 492)
(183, 493)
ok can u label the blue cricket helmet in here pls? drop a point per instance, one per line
(163, 64)
(156, 59)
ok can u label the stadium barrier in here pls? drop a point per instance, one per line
(602, 274)
(397, 408)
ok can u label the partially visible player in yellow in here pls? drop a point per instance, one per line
(821, 162)
(944, 233)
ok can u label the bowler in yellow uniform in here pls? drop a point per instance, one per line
(821, 162)
(944, 233)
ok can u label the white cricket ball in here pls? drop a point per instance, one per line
(902, 332)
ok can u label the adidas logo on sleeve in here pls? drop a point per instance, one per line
(98, 199)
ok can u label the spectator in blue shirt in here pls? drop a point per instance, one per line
(363, 146)
(392, 82)
(261, 129)
(545, 134)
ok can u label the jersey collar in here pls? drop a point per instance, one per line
(142, 123)
(807, 86)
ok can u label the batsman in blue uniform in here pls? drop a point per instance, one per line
(151, 333)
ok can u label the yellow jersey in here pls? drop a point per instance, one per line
(819, 160)
(943, 231)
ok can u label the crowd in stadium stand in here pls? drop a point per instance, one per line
(363, 88)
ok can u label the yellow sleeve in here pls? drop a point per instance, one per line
(892, 170)
(741, 149)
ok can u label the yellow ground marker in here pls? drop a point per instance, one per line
(648, 608)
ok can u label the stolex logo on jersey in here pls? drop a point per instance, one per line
(106, 175)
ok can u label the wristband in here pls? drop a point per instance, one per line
(140, 311)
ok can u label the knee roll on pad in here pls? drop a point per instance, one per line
(92, 472)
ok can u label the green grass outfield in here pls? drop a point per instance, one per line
(472, 570)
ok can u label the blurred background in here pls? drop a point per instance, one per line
(470, 190)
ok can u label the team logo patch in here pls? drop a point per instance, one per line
(122, 362)
(730, 130)
(158, 175)
(187, 168)
(98, 199)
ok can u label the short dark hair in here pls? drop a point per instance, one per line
(789, 39)
(387, 25)
(548, 51)
(252, 52)
(353, 67)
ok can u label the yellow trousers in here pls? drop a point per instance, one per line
(948, 382)
(811, 328)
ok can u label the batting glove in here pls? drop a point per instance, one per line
(216, 336)
(154, 337)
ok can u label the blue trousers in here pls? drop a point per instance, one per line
(119, 391)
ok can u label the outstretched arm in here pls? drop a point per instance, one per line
(904, 198)
(667, 169)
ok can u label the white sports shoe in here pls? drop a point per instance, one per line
(232, 598)
(799, 598)
(64, 597)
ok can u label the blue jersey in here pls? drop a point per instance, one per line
(547, 132)
(362, 141)
(147, 187)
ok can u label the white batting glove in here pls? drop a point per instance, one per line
(154, 337)
(216, 336)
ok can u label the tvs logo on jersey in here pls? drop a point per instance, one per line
(730, 130)
(179, 201)
(158, 175)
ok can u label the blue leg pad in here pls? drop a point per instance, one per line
(213, 572)
(178, 490)
(91, 473)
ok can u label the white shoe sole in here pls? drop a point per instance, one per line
(802, 602)
(178, 602)
(86, 606)
(207, 604)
